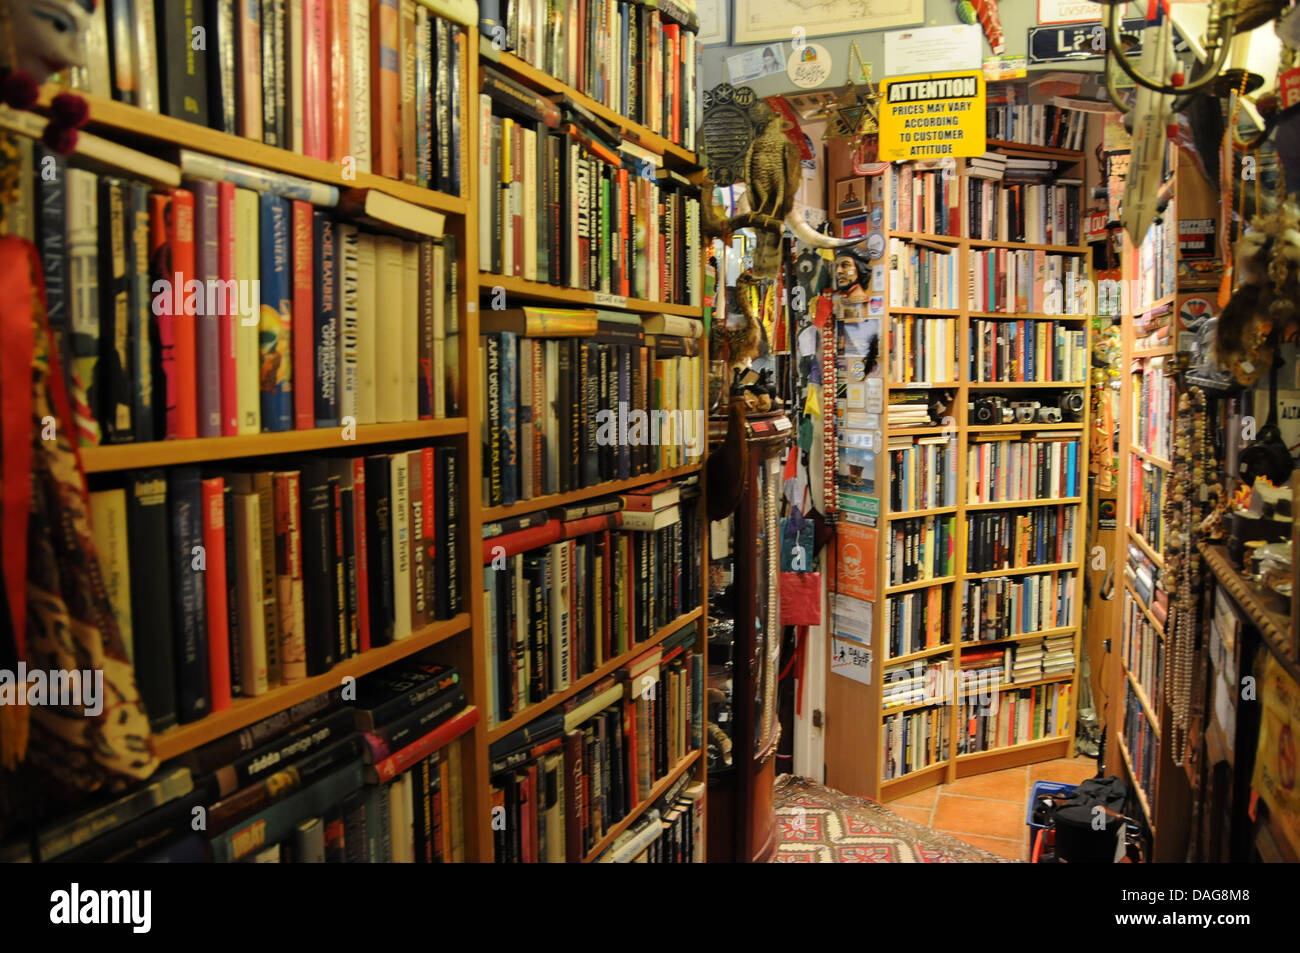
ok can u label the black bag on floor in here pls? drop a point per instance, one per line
(1090, 824)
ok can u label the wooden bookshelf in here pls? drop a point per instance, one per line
(541, 291)
(245, 711)
(855, 726)
(155, 133)
(493, 513)
(164, 453)
(656, 792)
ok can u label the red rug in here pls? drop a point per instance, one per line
(818, 825)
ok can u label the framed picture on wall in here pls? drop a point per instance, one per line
(850, 195)
(855, 227)
(713, 21)
(759, 21)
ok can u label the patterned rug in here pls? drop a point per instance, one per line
(818, 825)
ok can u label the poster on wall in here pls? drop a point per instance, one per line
(932, 115)
(1275, 759)
(713, 21)
(757, 21)
(1068, 11)
(855, 561)
(941, 48)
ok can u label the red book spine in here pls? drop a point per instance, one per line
(573, 852)
(523, 540)
(226, 272)
(304, 329)
(162, 272)
(363, 565)
(430, 541)
(385, 101)
(214, 582)
(314, 92)
(393, 765)
(607, 635)
(592, 524)
(339, 118)
(182, 247)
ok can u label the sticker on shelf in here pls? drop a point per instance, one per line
(850, 660)
(609, 300)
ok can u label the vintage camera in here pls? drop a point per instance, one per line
(1072, 405)
(991, 410)
(1048, 415)
(1026, 411)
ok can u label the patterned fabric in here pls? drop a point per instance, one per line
(817, 825)
(69, 621)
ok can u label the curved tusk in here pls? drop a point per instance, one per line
(810, 236)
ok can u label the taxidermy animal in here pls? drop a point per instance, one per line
(743, 342)
(772, 172)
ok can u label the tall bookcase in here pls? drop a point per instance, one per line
(522, 292)
(460, 640)
(857, 719)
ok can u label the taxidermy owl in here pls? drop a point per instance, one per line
(772, 172)
(1267, 262)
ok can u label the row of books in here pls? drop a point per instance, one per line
(1156, 262)
(1027, 351)
(372, 85)
(922, 350)
(1002, 607)
(922, 473)
(1143, 576)
(1038, 214)
(641, 61)
(923, 547)
(300, 569)
(584, 587)
(1016, 716)
(1001, 469)
(1009, 540)
(1140, 742)
(1144, 650)
(370, 778)
(918, 620)
(1146, 502)
(923, 277)
(670, 832)
(1045, 125)
(913, 740)
(1024, 281)
(1153, 410)
(214, 310)
(924, 199)
(571, 774)
(574, 398)
(916, 683)
(568, 202)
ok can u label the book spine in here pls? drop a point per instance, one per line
(272, 39)
(360, 139)
(416, 528)
(228, 311)
(144, 54)
(276, 318)
(406, 115)
(361, 530)
(233, 610)
(347, 295)
(250, 309)
(325, 304)
(207, 244)
(215, 590)
(183, 71)
(315, 87)
(141, 311)
(151, 617)
(385, 102)
(222, 103)
(319, 610)
(114, 304)
(83, 299)
(335, 112)
(289, 579)
(379, 531)
(449, 552)
(303, 316)
(184, 497)
(400, 515)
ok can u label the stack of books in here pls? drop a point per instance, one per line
(906, 410)
(922, 350)
(1027, 661)
(301, 568)
(925, 199)
(922, 473)
(924, 277)
(1058, 655)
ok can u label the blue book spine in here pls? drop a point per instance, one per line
(325, 301)
(189, 626)
(509, 417)
(275, 375)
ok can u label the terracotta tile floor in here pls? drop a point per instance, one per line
(988, 810)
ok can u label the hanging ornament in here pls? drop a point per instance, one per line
(985, 12)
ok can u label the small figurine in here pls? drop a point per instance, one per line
(45, 37)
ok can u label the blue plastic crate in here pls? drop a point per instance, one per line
(1044, 787)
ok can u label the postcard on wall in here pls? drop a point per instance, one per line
(759, 20)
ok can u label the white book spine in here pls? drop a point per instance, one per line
(560, 583)
(146, 55)
(389, 280)
(247, 356)
(485, 191)
(438, 373)
(359, 82)
(366, 330)
(530, 205)
(401, 546)
(349, 241)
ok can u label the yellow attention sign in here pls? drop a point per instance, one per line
(932, 115)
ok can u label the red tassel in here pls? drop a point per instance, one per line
(70, 110)
(18, 90)
(60, 139)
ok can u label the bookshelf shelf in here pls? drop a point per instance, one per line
(942, 312)
(1016, 316)
(1161, 302)
(1021, 637)
(1145, 702)
(632, 131)
(1021, 570)
(1025, 149)
(1028, 246)
(245, 711)
(919, 584)
(905, 784)
(143, 126)
(1024, 385)
(1145, 547)
(124, 456)
(1013, 749)
(924, 653)
(656, 791)
(493, 513)
(914, 706)
(1050, 680)
(1167, 350)
(542, 291)
(1013, 504)
(1013, 428)
(913, 514)
(613, 665)
(953, 240)
(1146, 611)
(923, 385)
(1141, 792)
(918, 431)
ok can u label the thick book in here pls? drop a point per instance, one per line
(65, 835)
(440, 737)
(288, 575)
(246, 267)
(229, 319)
(396, 735)
(109, 531)
(347, 296)
(151, 616)
(183, 71)
(139, 312)
(379, 543)
(388, 695)
(189, 613)
(385, 88)
(382, 211)
(83, 341)
(222, 66)
(234, 807)
(281, 752)
(325, 320)
(224, 750)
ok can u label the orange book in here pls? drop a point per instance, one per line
(385, 89)
(338, 93)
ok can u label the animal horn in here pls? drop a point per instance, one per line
(810, 236)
